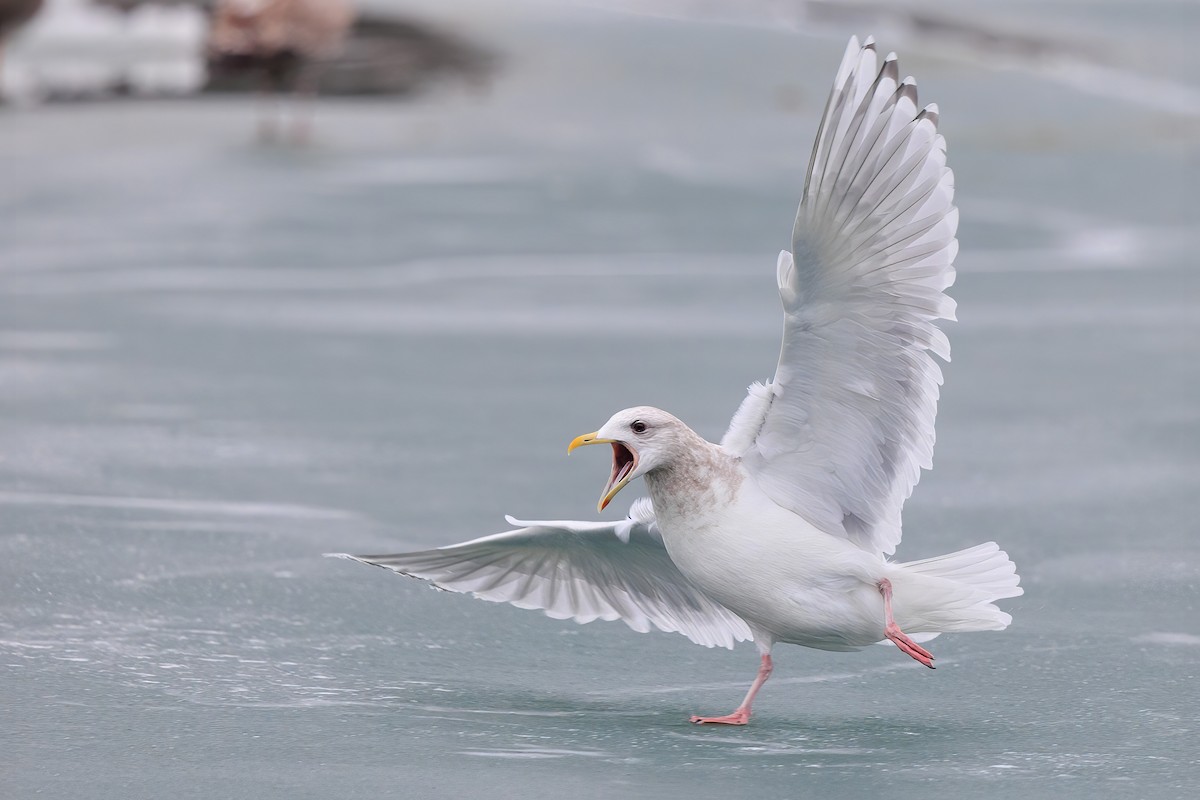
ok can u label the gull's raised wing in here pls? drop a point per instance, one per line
(842, 432)
(578, 570)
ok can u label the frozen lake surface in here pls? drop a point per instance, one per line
(219, 361)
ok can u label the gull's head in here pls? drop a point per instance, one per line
(643, 438)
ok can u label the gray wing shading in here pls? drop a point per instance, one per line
(578, 570)
(842, 432)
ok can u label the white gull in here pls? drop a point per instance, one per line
(781, 532)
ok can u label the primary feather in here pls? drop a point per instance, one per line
(578, 570)
(842, 432)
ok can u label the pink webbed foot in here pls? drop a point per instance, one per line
(898, 637)
(739, 717)
(908, 646)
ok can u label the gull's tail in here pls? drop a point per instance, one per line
(955, 592)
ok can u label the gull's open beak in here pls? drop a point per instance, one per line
(625, 461)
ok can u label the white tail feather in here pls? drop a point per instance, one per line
(956, 591)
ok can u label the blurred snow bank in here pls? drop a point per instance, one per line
(77, 49)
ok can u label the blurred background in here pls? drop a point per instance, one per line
(350, 281)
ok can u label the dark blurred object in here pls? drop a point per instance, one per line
(382, 55)
(129, 5)
(14, 14)
(281, 41)
(279, 37)
(385, 56)
(280, 44)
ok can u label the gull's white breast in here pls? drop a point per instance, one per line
(789, 581)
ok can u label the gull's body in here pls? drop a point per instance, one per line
(781, 532)
(790, 581)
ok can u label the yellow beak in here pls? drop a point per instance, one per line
(587, 438)
(619, 476)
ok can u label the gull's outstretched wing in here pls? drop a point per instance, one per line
(581, 571)
(842, 432)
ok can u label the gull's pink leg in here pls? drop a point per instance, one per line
(741, 715)
(303, 104)
(267, 100)
(892, 630)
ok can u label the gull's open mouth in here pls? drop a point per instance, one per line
(624, 462)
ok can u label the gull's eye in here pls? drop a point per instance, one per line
(638, 426)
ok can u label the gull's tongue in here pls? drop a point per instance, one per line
(625, 470)
(622, 462)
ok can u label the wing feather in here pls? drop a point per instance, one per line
(841, 433)
(578, 570)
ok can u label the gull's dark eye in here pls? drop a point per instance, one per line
(638, 426)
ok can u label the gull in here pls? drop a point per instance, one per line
(286, 41)
(781, 533)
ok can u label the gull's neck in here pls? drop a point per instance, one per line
(699, 477)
